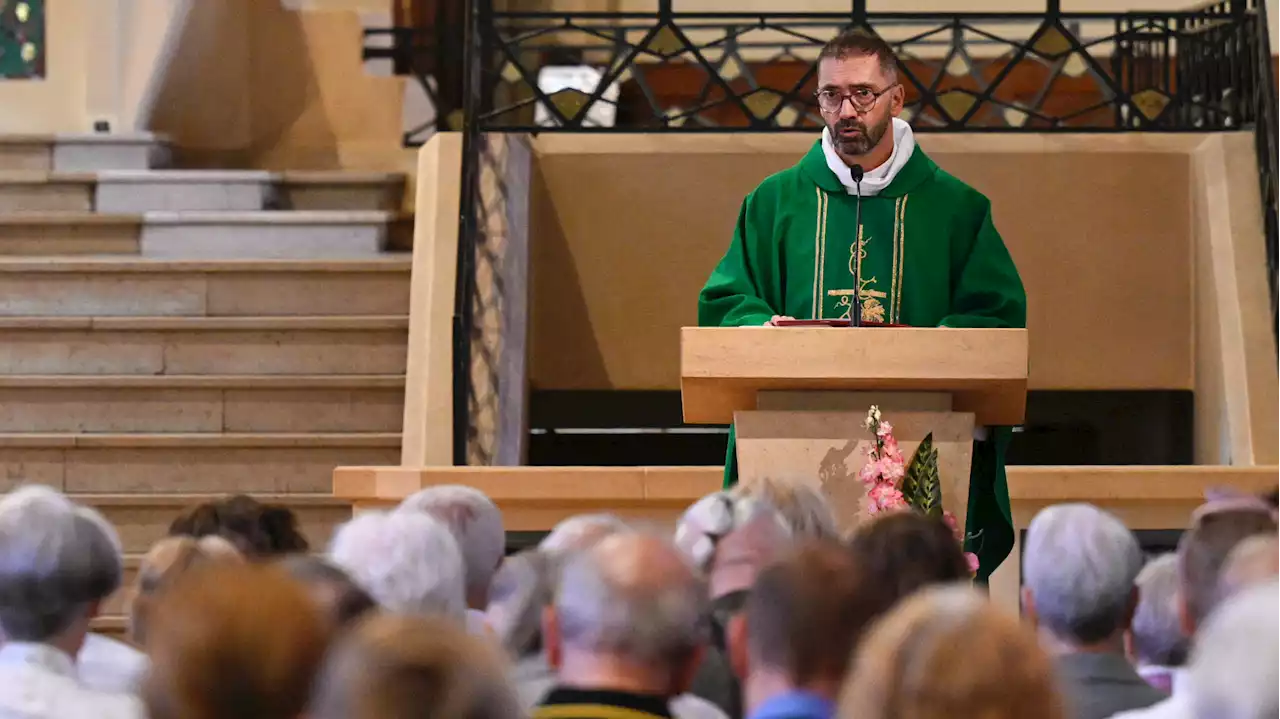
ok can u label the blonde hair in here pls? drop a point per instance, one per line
(395, 666)
(233, 641)
(948, 653)
(167, 560)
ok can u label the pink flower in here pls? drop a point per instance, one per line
(892, 470)
(884, 430)
(973, 562)
(890, 448)
(885, 497)
(870, 473)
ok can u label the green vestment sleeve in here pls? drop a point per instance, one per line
(734, 296)
(987, 290)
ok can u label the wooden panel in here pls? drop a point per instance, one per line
(626, 229)
(428, 405)
(724, 368)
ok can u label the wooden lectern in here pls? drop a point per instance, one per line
(798, 397)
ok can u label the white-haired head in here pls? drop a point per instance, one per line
(407, 561)
(476, 525)
(58, 561)
(1079, 567)
(632, 599)
(579, 532)
(522, 588)
(731, 538)
(1235, 665)
(1156, 637)
(1255, 560)
(803, 507)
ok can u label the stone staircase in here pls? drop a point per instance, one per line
(171, 336)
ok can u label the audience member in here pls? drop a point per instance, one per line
(730, 539)
(1255, 560)
(1079, 569)
(580, 532)
(58, 563)
(167, 560)
(1235, 666)
(803, 618)
(1155, 643)
(407, 561)
(523, 587)
(259, 531)
(399, 667)
(803, 507)
(947, 652)
(1217, 528)
(476, 525)
(338, 596)
(625, 632)
(903, 552)
(233, 641)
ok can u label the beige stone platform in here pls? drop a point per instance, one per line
(138, 464)
(201, 403)
(131, 286)
(200, 345)
(75, 152)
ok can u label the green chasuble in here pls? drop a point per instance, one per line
(930, 257)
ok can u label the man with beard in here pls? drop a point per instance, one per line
(927, 252)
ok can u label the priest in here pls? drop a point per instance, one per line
(926, 252)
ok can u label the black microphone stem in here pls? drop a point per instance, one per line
(855, 311)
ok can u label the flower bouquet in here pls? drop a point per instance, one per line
(894, 485)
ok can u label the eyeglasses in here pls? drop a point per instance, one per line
(862, 98)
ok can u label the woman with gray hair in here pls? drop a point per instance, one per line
(58, 563)
(1155, 642)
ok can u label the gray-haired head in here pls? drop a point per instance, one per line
(476, 524)
(1079, 567)
(407, 561)
(57, 561)
(1156, 632)
(1255, 560)
(522, 588)
(1235, 664)
(632, 596)
(731, 538)
(803, 507)
(581, 531)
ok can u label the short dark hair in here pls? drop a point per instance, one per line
(859, 41)
(907, 551)
(260, 531)
(806, 613)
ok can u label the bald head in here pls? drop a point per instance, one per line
(1254, 561)
(634, 596)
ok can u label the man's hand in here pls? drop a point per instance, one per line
(776, 319)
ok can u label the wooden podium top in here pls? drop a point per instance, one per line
(723, 368)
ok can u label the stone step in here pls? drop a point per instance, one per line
(200, 235)
(143, 464)
(203, 345)
(83, 152)
(233, 288)
(201, 403)
(135, 192)
(69, 233)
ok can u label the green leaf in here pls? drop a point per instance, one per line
(921, 485)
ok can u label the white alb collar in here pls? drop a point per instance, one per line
(876, 179)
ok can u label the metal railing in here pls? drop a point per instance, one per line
(1197, 70)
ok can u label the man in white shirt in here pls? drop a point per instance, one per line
(58, 562)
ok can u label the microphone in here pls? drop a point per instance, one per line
(855, 311)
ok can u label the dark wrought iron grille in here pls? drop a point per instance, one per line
(1199, 70)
